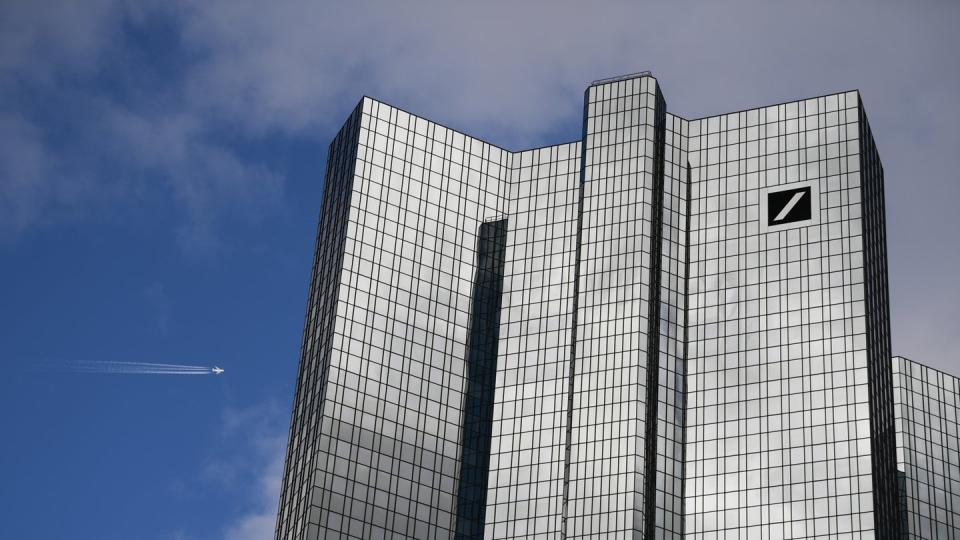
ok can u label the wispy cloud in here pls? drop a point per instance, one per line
(514, 72)
(27, 192)
(258, 436)
(259, 522)
(209, 180)
(88, 127)
(91, 125)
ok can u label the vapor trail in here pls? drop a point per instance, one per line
(146, 364)
(131, 368)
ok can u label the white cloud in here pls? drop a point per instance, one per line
(511, 72)
(506, 69)
(209, 181)
(60, 33)
(259, 522)
(253, 467)
(85, 133)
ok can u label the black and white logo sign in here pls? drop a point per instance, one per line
(788, 206)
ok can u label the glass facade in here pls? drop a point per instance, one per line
(668, 328)
(526, 480)
(607, 480)
(927, 404)
(779, 416)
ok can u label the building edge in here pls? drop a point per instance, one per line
(317, 342)
(886, 487)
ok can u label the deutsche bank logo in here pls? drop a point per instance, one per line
(788, 206)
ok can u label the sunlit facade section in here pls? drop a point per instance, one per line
(668, 484)
(527, 452)
(386, 443)
(779, 440)
(608, 436)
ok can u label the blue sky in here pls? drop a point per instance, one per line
(160, 177)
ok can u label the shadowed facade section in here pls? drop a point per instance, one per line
(481, 374)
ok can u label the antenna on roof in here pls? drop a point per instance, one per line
(623, 77)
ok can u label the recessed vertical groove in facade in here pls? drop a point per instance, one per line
(686, 339)
(481, 369)
(653, 320)
(568, 432)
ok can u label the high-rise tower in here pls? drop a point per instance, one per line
(667, 328)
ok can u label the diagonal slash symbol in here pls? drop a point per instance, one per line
(786, 209)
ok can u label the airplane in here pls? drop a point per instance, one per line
(216, 370)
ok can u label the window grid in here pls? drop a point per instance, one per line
(927, 403)
(778, 435)
(607, 454)
(664, 366)
(527, 451)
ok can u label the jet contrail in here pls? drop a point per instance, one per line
(135, 368)
(146, 364)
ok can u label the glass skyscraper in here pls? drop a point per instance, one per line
(669, 328)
